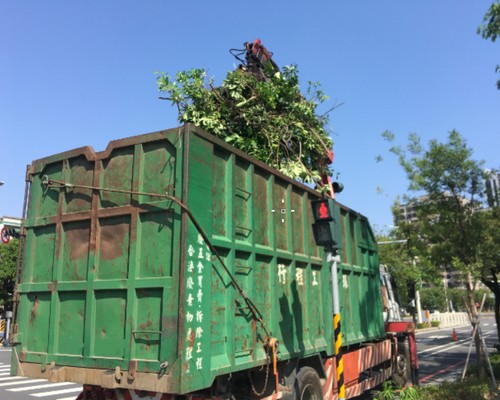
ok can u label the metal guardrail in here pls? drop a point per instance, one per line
(449, 319)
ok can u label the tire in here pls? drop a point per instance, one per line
(308, 385)
(402, 371)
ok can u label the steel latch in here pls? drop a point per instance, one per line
(132, 370)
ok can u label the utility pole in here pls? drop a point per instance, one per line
(418, 306)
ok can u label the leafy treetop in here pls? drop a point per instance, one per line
(490, 29)
(268, 119)
(8, 262)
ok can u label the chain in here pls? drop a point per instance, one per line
(268, 358)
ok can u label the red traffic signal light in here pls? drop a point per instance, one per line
(327, 227)
(321, 210)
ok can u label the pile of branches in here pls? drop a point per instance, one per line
(269, 119)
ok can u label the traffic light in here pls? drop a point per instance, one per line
(327, 227)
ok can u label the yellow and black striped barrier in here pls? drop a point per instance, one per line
(2, 331)
(338, 356)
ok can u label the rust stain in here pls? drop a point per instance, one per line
(169, 323)
(191, 339)
(75, 270)
(34, 309)
(132, 337)
(78, 241)
(146, 325)
(202, 160)
(52, 286)
(123, 313)
(112, 239)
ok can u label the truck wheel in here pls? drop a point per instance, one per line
(401, 374)
(308, 385)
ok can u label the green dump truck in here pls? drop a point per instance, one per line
(173, 265)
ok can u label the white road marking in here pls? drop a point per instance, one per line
(426, 353)
(22, 381)
(10, 378)
(48, 385)
(4, 373)
(56, 392)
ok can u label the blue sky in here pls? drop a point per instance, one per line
(82, 73)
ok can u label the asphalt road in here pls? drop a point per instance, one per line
(443, 359)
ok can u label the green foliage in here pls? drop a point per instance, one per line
(490, 29)
(495, 363)
(423, 325)
(270, 120)
(490, 239)
(447, 229)
(435, 324)
(400, 257)
(433, 298)
(388, 392)
(472, 389)
(391, 392)
(489, 301)
(8, 263)
(458, 298)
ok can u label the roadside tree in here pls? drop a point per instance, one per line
(489, 253)
(448, 228)
(490, 29)
(8, 263)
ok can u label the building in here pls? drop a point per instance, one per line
(492, 184)
(407, 212)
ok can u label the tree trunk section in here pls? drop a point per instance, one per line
(474, 321)
(493, 285)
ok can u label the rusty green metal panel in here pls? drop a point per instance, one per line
(360, 297)
(116, 279)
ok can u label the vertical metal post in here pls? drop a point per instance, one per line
(335, 260)
(418, 306)
(8, 317)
